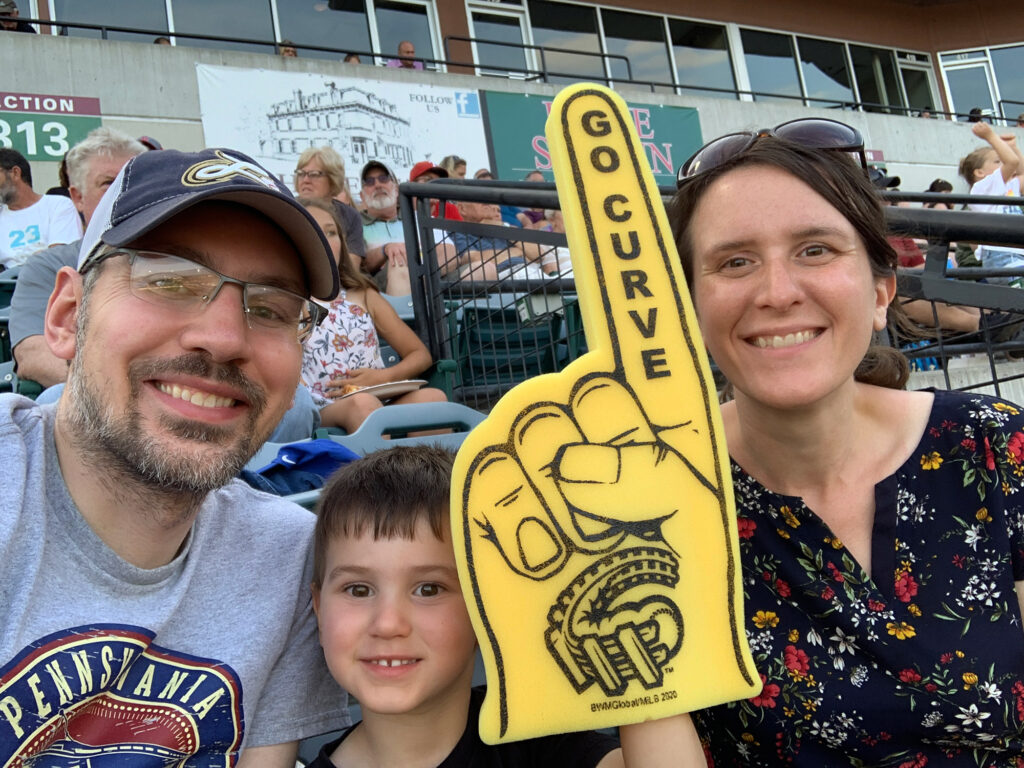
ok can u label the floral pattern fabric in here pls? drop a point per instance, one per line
(344, 341)
(920, 663)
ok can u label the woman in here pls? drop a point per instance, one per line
(881, 530)
(320, 173)
(455, 166)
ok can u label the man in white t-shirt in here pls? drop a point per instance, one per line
(30, 222)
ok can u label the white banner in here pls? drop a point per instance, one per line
(273, 116)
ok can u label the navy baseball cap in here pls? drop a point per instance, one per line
(154, 187)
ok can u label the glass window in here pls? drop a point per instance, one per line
(917, 86)
(248, 19)
(340, 24)
(969, 88)
(701, 53)
(826, 76)
(771, 65)
(139, 14)
(1008, 64)
(641, 39)
(404, 21)
(499, 58)
(875, 70)
(560, 25)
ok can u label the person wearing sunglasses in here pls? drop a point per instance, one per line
(384, 230)
(151, 603)
(881, 530)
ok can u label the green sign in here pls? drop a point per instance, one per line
(43, 127)
(516, 143)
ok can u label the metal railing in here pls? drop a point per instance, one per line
(504, 326)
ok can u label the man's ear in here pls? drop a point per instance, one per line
(62, 313)
(76, 197)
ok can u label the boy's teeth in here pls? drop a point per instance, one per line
(392, 662)
(784, 341)
(196, 397)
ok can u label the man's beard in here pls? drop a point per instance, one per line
(7, 193)
(382, 202)
(119, 443)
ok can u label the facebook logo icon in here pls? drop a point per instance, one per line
(467, 104)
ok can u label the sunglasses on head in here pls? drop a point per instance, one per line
(810, 132)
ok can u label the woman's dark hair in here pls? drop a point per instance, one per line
(845, 186)
(940, 185)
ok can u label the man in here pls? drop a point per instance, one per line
(383, 230)
(151, 608)
(92, 165)
(406, 57)
(30, 222)
(9, 18)
(489, 256)
(286, 48)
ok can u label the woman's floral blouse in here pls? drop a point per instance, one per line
(920, 664)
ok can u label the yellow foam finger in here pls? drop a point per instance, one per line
(599, 556)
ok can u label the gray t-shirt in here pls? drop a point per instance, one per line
(190, 661)
(33, 289)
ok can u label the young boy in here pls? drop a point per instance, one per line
(395, 630)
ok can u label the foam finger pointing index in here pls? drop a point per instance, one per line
(632, 293)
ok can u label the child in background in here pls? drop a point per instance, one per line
(343, 353)
(397, 635)
(996, 170)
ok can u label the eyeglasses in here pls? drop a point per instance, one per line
(299, 175)
(380, 178)
(811, 132)
(174, 281)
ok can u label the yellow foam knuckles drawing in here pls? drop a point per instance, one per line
(592, 512)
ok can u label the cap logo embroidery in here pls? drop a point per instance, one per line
(226, 168)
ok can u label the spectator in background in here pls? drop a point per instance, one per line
(926, 112)
(92, 164)
(996, 170)
(161, 40)
(532, 218)
(9, 18)
(455, 166)
(974, 116)
(30, 222)
(62, 177)
(406, 57)
(286, 48)
(940, 185)
(352, 58)
(488, 257)
(320, 172)
(1020, 120)
(484, 173)
(342, 355)
(385, 258)
(425, 171)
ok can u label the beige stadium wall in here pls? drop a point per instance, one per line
(149, 89)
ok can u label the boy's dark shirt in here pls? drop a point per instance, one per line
(571, 750)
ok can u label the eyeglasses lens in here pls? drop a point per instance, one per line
(174, 281)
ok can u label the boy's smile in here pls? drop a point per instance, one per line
(393, 623)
